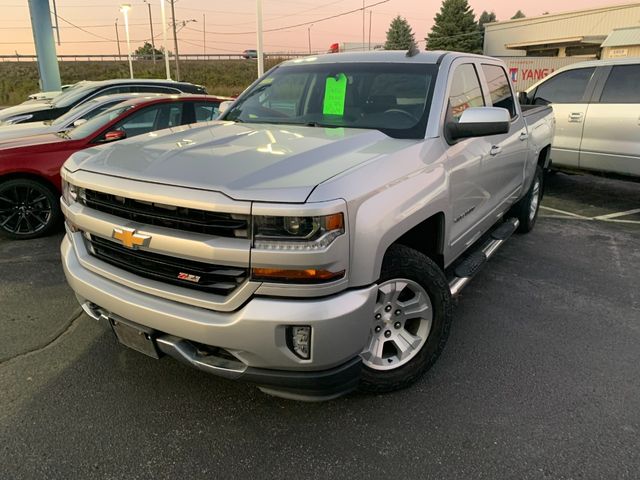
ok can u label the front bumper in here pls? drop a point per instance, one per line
(254, 334)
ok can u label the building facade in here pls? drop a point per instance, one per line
(594, 33)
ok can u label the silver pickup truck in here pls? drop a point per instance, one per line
(310, 241)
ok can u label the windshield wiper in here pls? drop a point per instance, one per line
(321, 125)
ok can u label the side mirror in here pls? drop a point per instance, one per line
(224, 106)
(479, 122)
(79, 122)
(523, 99)
(114, 135)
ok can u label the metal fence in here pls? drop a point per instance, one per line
(124, 58)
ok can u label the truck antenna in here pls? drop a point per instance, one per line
(413, 50)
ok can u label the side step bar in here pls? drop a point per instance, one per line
(473, 262)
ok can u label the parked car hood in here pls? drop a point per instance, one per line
(261, 162)
(22, 109)
(32, 141)
(24, 130)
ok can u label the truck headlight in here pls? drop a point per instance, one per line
(296, 233)
(69, 192)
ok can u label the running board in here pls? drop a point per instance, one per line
(472, 263)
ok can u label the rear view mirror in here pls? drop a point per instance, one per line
(479, 122)
(224, 106)
(79, 122)
(114, 135)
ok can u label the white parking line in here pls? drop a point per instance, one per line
(610, 217)
(617, 214)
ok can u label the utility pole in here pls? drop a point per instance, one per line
(309, 32)
(204, 35)
(55, 17)
(45, 45)
(118, 40)
(175, 38)
(370, 12)
(153, 42)
(363, 15)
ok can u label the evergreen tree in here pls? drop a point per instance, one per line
(399, 36)
(455, 28)
(486, 17)
(519, 14)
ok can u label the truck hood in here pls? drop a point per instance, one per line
(261, 162)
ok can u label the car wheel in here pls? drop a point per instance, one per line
(28, 209)
(410, 323)
(526, 209)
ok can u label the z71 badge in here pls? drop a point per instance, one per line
(188, 277)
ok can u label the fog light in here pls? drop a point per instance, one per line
(299, 341)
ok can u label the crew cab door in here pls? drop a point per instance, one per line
(612, 125)
(568, 93)
(503, 168)
(468, 199)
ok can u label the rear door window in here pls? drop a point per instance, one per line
(623, 85)
(499, 88)
(205, 111)
(566, 87)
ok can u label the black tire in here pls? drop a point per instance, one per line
(522, 210)
(401, 262)
(28, 209)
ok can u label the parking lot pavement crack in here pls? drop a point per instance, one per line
(55, 340)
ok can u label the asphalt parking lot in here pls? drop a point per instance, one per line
(540, 378)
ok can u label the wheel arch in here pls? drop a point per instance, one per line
(426, 237)
(31, 176)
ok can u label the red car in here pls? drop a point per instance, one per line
(30, 166)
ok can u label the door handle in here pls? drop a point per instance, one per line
(576, 117)
(495, 150)
(523, 135)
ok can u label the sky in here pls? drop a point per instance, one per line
(88, 26)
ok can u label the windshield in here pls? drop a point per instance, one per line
(391, 97)
(72, 114)
(96, 123)
(72, 94)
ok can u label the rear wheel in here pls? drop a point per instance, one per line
(28, 209)
(526, 209)
(410, 322)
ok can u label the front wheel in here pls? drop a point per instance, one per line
(28, 209)
(410, 323)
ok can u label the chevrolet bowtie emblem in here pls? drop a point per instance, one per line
(130, 238)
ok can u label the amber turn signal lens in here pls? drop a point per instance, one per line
(334, 222)
(309, 275)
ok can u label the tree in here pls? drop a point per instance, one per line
(519, 14)
(147, 51)
(399, 36)
(486, 17)
(455, 28)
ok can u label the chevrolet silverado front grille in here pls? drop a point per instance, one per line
(218, 279)
(180, 218)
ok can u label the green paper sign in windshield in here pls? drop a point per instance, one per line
(335, 90)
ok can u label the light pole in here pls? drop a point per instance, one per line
(124, 8)
(260, 53)
(309, 32)
(118, 39)
(153, 42)
(164, 39)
